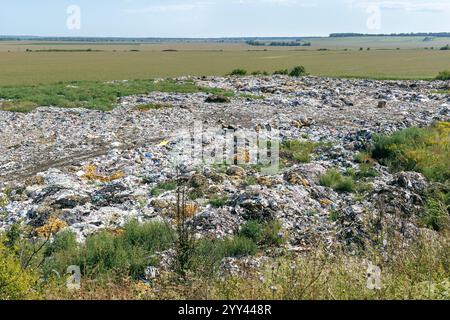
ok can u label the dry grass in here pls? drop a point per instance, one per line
(91, 174)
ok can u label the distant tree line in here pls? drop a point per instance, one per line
(297, 43)
(412, 34)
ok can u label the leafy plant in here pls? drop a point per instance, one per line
(15, 283)
(335, 180)
(443, 75)
(238, 72)
(298, 71)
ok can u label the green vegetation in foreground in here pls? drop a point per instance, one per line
(425, 150)
(89, 94)
(419, 271)
(15, 283)
(127, 253)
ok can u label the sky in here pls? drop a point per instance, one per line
(220, 18)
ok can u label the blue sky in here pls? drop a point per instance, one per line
(221, 18)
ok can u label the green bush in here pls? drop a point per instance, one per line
(238, 72)
(443, 75)
(15, 283)
(436, 215)
(272, 234)
(298, 151)
(366, 170)
(263, 233)
(63, 241)
(346, 184)
(335, 180)
(283, 72)
(238, 247)
(102, 253)
(252, 229)
(298, 71)
(330, 178)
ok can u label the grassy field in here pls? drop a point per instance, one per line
(49, 67)
(116, 61)
(88, 94)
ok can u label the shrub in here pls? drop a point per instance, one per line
(272, 234)
(283, 72)
(63, 241)
(298, 71)
(333, 179)
(102, 253)
(298, 151)
(253, 230)
(330, 178)
(436, 215)
(363, 157)
(263, 233)
(443, 75)
(238, 247)
(15, 283)
(366, 170)
(446, 47)
(346, 184)
(238, 72)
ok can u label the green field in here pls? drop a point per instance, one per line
(116, 61)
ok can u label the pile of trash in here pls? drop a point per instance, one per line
(97, 170)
